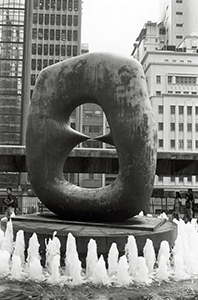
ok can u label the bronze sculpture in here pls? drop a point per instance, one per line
(118, 85)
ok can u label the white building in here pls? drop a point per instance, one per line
(170, 65)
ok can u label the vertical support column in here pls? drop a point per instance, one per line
(26, 68)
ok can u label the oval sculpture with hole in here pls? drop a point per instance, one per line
(118, 85)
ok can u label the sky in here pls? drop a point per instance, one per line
(114, 25)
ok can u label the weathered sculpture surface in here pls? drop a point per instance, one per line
(118, 85)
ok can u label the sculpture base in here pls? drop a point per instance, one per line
(141, 227)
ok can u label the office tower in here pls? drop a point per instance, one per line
(171, 73)
(12, 18)
(56, 33)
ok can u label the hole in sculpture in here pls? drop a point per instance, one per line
(90, 119)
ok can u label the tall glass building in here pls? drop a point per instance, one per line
(12, 16)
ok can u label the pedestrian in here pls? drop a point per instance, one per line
(177, 206)
(188, 209)
(191, 197)
(11, 203)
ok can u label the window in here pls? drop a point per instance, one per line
(35, 4)
(189, 178)
(69, 20)
(41, 4)
(160, 178)
(51, 34)
(57, 35)
(158, 79)
(178, 1)
(58, 19)
(63, 35)
(181, 110)
(46, 19)
(181, 126)
(170, 79)
(196, 144)
(40, 33)
(185, 80)
(179, 25)
(69, 5)
(172, 178)
(63, 50)
(76, 5)
(69, 35)
(158, 93)
(45, 49)
(39, 64)
(58, 4)
(172, 109)
(52, 4)
(40, 19)
(33, 64)
(33, 49)
(63, 20)
(172, 143)
(35, 18)
(64, 4)
(75, 20)
(181, 178)
(196, 110)
(57, 50)
(189, 144)
(51, 49)
(40, 46)
(181, 144)
(189, 110)
(51, 62)
(179, 13)
(160, 126)
(75, 35)
(160, 143)
(52, 19)
(196, 127)
(160, 109)
(189, 127)
(74, 50)
(179, 37)
(69, 50)
(46, 34)
(47, 4)
(45, 63)
(33, 79)
(34, 33)
(172, 126)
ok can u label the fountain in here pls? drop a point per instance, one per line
(116, 271)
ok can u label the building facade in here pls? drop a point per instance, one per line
(12, 20)
(170, 65)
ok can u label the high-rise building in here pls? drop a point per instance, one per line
(170, 66)
(179, 18)
(56, 33)
(12, 20)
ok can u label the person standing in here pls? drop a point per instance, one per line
(192, 199)
(10, 202)
(177, 206)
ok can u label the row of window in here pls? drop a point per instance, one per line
(57, 50)
(181, 178)
(55, 19)
(57, 34)
(180, 127)
(56, 4)
(159, 93)
(180, 109)
(179, 79)
(181, 144)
